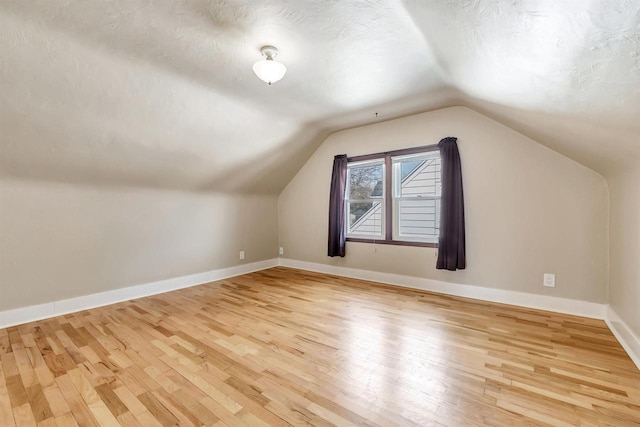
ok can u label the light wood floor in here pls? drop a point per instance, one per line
(283, 347)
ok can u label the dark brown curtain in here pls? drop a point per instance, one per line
(336, 206)
(451, 245)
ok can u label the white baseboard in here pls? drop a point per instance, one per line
(542, 302)
(629, 340)
(57, 308)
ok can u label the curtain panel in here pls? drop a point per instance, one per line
(451, 243)
(337, 237)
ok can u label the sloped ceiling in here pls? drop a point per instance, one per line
(161, 93)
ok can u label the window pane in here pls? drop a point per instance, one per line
(419, 219)
(364, 218)
(408, 166)
(366, 182)
(420, 178)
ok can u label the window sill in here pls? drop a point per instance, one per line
(393, 242)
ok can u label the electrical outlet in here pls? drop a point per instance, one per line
(549, 280)
(241, 254)
(281, 250)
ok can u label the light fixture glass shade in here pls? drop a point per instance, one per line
(269, 71)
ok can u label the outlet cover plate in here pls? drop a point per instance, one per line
(549, 280)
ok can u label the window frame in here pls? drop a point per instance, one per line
(388, 199)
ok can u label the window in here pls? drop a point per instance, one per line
(394, 197)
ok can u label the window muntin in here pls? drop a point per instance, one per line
(365, 199)
(394, 197)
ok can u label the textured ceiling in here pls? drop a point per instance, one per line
(161, 93)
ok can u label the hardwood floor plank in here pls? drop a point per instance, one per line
(57, 402)
(66, 420)
(157, 409)
(24, 416)
(290, 347)
(6, 413)
(111, 400)
(39, 403)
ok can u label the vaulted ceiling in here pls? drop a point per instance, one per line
(161, 93)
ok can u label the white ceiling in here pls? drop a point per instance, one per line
(161, 93)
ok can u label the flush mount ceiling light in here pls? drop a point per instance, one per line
(269, 70)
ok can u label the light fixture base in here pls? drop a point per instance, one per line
(269, 52)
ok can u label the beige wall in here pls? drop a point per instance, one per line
(529, 210)
(59, 241)
(624, 188)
